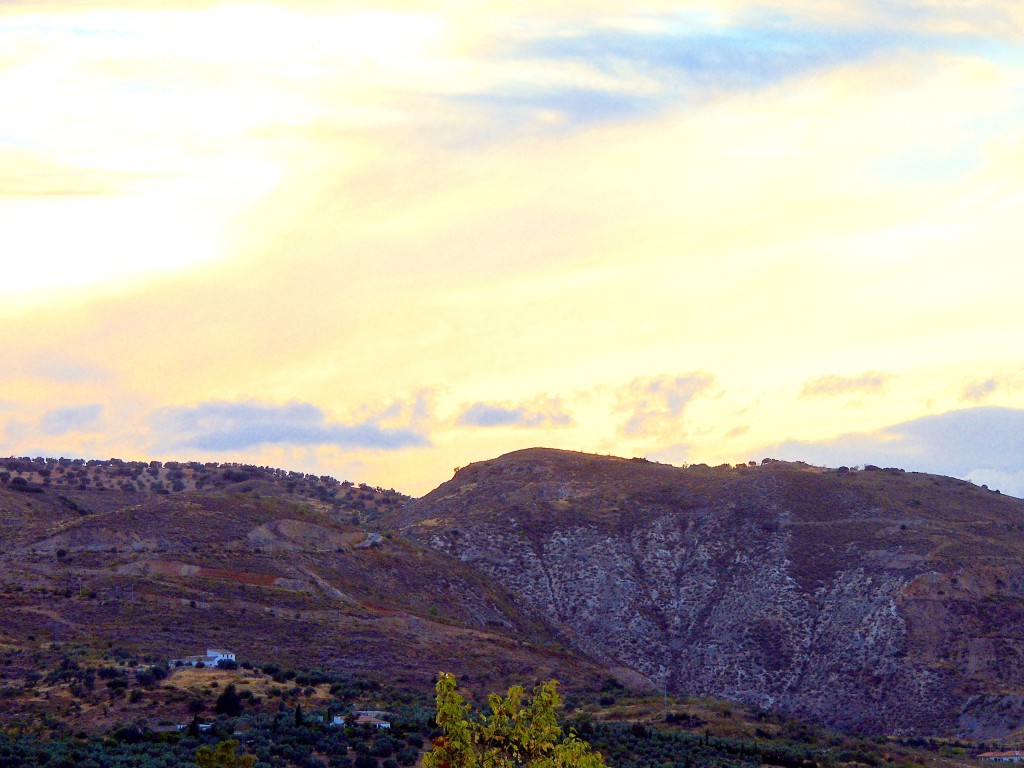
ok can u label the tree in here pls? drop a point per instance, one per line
(229, 702)
(514, 735)
(223, 756)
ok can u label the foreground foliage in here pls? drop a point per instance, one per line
(511, 731)
(223, 756)
(514, 735)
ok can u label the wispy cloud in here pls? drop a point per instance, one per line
(977, 390)
(711, 55)
(543, 413)
(60, 421)
(865, 383)
(656, 404)
(226, 426)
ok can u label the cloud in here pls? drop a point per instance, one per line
(673, 47)
(627, 66)
(26, 174)
(979, 389)
(417, 413)
(60, 421)
(65, 370)
(545, 413)
(226, 426)
(657, 402)
(50, 366)
(970, 443)
(872, 381)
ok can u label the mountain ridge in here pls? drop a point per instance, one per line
(875, 600)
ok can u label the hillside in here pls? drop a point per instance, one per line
(269, 565)
(874, 600)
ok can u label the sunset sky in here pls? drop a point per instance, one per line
(382, 240)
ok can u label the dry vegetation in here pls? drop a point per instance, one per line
(115, 562)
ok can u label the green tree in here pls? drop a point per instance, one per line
(229, 702)
(223, 756)
(516, 734)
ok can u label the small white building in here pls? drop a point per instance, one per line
(362, 719)
(1010, 756)
(375, 722)
(212, 657)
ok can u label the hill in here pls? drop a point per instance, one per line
(120, 561)
(874, 600)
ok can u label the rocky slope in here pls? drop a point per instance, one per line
(875, 600)
(871, 600)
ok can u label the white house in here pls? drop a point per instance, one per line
(1010, 756)
(362, 719)
(376, 722)
(213, 655)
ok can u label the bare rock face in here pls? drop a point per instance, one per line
(878, 601)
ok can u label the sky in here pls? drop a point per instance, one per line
(382, 241)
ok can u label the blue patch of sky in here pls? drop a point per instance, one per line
(924, 167)
(12, 140)
(723, 58)
(686, 60)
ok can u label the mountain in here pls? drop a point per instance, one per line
(167, 560)
(875, 600)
